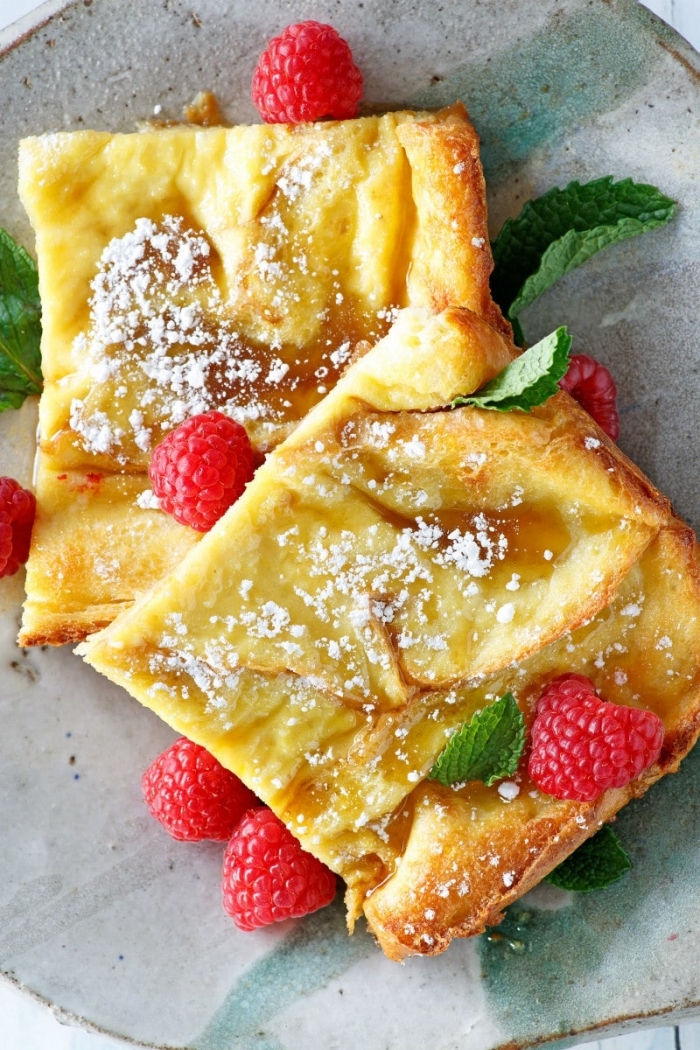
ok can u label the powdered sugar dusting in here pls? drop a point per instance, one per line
(162, 343)
(95, 429)
(148, 500)
(158, 326)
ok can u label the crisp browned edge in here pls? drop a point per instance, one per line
(458, 138)
(64, 635)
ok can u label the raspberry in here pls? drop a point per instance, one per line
(267, 875)
(17, 510)
(305, 73)
(591, 384)
(201, 468)
(192, 795)
(582, 745)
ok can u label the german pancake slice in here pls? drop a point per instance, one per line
(395, 565)
(183, 269)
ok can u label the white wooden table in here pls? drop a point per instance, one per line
(27, 1025)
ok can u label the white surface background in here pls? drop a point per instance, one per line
(27, 1025)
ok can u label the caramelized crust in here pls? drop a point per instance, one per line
(444, 160)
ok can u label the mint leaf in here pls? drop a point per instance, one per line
(561, 229)
(487, 748)
(597, 863)
(569, 252)
(527, 381)
(20, 325)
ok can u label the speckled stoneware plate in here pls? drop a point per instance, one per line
(101, 914)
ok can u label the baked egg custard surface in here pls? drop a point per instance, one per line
(186, 268)
(395, 566)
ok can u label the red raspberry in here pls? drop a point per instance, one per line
(201, 468)
(305, 73)
(192, 795)
(17, 510)
(582, 745)
(267, 875)
(591, 384)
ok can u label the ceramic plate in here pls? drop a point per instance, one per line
(101, 914)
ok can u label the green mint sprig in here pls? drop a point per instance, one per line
(597, 863)
(527, 381)
(562, 229)
(20, 325)
(487, 748)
